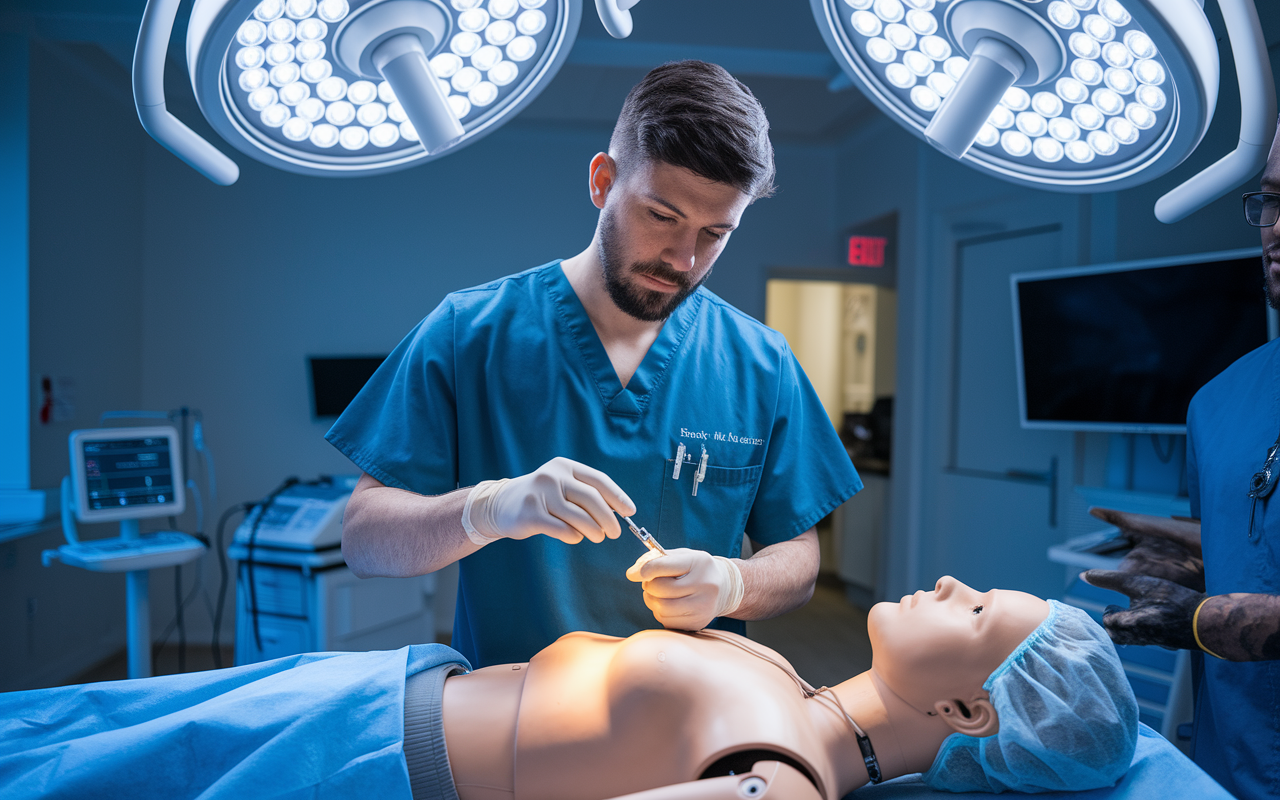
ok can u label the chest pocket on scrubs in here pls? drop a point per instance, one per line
(714, 519)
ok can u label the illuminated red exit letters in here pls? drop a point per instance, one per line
(867, 251)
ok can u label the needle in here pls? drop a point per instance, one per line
(644, 536)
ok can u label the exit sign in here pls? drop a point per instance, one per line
(867, 251)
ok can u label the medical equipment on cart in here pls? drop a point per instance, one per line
(125, 475)
(295, 593)
(302, 517)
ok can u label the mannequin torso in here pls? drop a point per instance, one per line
(595, 716)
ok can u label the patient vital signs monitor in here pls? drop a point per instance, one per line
(126, 473)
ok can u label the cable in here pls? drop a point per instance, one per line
(173, 623)
(197, 441)
(263, 508)
(822, 693)
(183, 412)
(1155, 445)
(179, 616)
(805, 687)
(222, 585)
(182, 628)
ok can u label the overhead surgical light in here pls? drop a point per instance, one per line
(1065, 95)
(349, 87)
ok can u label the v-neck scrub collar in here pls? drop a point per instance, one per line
(576, 324)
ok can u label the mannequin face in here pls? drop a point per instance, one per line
(939, 647)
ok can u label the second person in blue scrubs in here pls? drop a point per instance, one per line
(519, 416)
(1214, 588)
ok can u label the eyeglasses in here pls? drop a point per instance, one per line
(1261, 209)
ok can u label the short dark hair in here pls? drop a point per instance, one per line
(696, 115)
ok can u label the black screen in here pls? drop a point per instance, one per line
(128, 472)
(1130, 348)
(335, 381)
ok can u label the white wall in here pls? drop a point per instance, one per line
(86, 322)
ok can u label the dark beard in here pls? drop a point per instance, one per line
(643, 304)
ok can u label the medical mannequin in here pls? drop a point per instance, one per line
(995, 691)
(595, 716)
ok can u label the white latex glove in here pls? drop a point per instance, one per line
(562, 499)
(686, 589)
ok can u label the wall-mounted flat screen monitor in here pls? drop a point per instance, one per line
(127, 473)
(1124, 347)
(336, 380)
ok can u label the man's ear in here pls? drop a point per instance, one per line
(975, 718)
(604, 172)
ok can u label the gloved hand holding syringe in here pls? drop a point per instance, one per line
(685, 589)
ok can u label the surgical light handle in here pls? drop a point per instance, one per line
(148, 97)
(615, 15)
(1257, 118)
(993, 68)
(402, 61)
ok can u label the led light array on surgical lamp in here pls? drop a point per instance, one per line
(287, 79)
(1108, 100)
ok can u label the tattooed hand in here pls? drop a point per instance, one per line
(1159, 612)
(1163, 547)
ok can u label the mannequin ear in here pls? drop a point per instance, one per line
(975, 718)
(604, 171)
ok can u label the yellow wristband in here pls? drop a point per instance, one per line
(1195, 624)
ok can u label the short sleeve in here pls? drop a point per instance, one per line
(402, 428)
(807, 471)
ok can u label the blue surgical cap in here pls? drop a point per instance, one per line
(1068, 718)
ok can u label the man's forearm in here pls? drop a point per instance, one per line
(778, 578)
(388, 532)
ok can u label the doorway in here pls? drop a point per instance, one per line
(845, 337)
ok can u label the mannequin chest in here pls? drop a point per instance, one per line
(601, 717)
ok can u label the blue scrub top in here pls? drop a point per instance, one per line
(501, 378)
(1230, 424)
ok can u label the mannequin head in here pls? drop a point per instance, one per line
(936, 649)
(1032, 693)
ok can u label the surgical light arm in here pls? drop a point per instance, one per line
(1257, 118)
(148, 98)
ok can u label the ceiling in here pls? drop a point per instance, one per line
(772, 45)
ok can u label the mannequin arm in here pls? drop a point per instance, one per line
(781, 782)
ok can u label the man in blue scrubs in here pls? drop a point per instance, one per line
(1216, 591)
(520, 416)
